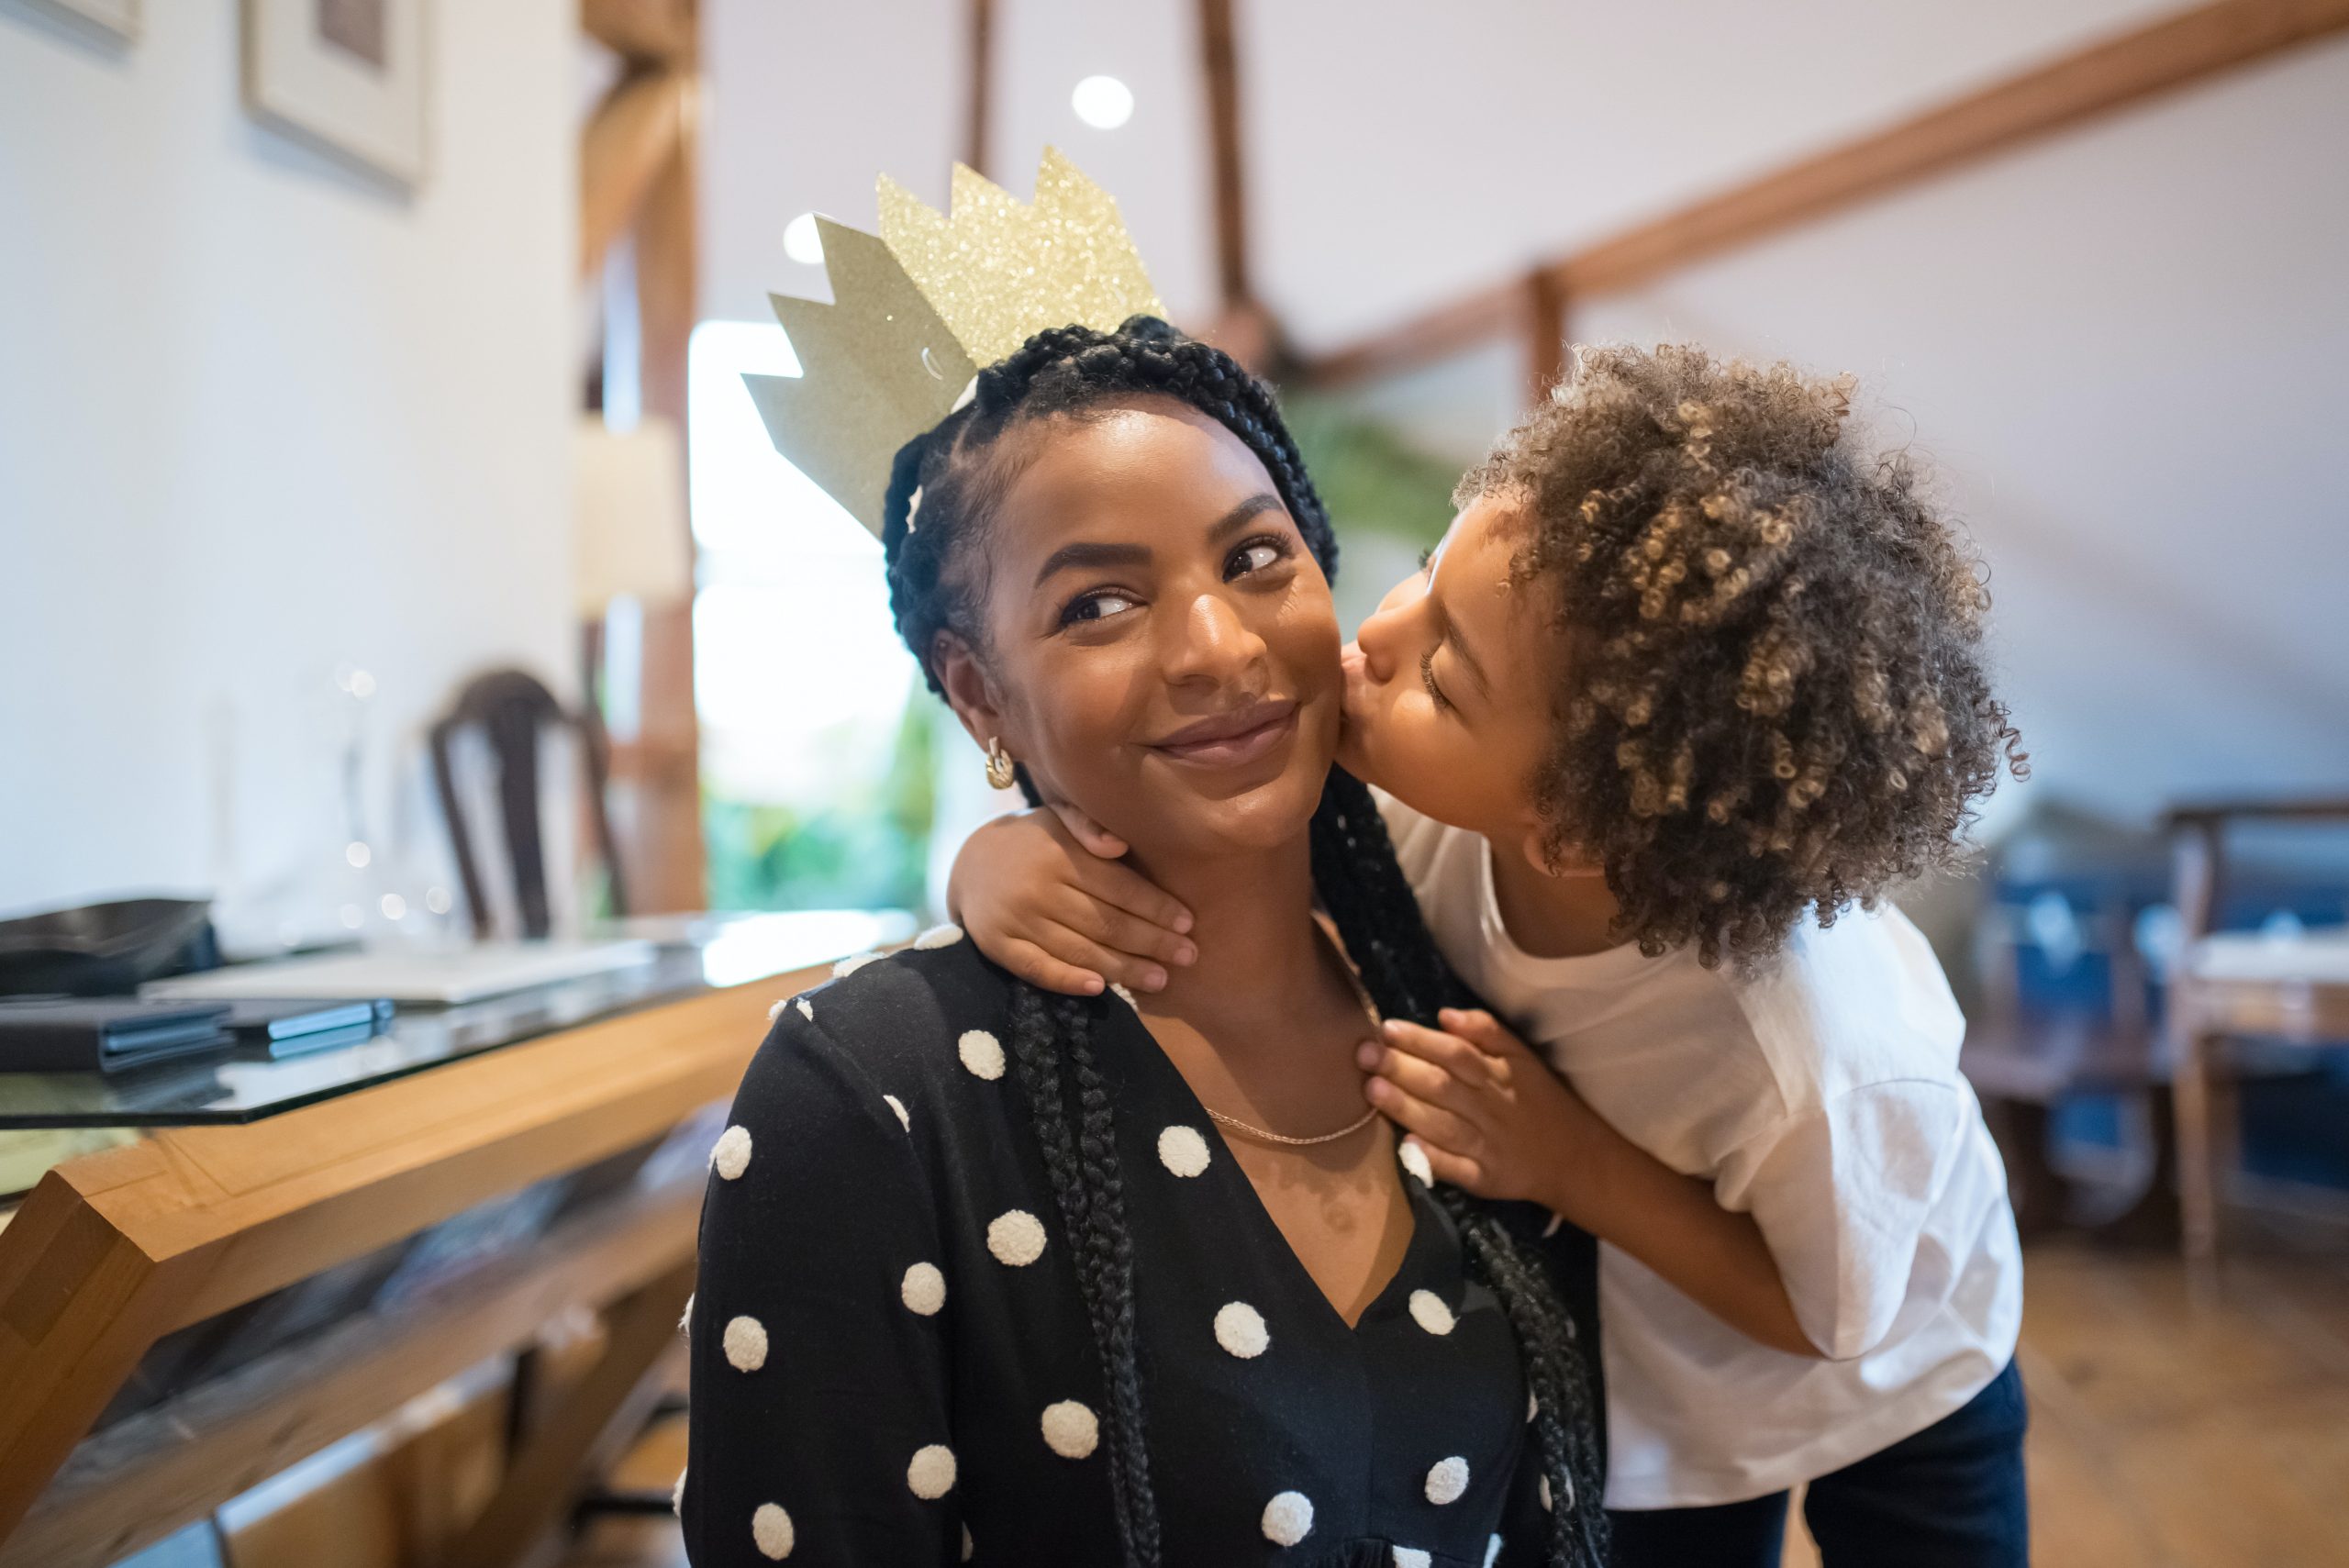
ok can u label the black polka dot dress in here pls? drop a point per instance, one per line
(892, 1363)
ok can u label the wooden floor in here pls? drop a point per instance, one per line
(2164, 1433)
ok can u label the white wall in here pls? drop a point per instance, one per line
(261, 419)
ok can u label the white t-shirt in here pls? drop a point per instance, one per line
(1824, 1099)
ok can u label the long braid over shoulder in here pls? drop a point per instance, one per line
(943, 497)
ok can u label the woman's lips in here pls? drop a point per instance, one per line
(1232, 738)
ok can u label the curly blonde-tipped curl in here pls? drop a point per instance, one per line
(1776, 699)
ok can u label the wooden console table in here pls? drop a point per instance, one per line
(116, 1249)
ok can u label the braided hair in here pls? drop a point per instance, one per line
(941, 501)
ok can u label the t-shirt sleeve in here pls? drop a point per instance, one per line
(818, 1426)
(1841, 1194)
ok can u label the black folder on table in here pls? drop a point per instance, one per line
(110, 1035)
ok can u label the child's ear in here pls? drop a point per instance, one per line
(969, 692)
(1534, 843)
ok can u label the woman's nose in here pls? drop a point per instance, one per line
(1213, 641)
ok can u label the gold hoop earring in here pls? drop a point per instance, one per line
(1000, 773)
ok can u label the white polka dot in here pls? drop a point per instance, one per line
(746, 1344)
(771, 1528)
(1240, 1329)
(776, 1011)
(938, 937)
(898, 1105)
(1429, 1312)
(923, 1289)
(1415, 1160)
(980, 1053)
(1447, 1479)
(1552, 1229)
(1289, 1518)
(730, 1155)
(807, 1009)
(1070, 1429)
(1016, 1237)
(1181, 1150)
(1492, 1551)
(851, 964)
(1125, 996)
(677, 1495)
(932, 1474)
(1413, 1557)
(969, 1545)
(686, 1319)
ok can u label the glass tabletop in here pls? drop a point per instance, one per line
(690, 955)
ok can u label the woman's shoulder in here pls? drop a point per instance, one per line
(886, 1029)
(894, 1004)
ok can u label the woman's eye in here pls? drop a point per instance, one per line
(1096, 608)
(1257, 555)
(1427, 559)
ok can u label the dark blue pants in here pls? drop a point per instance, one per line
(1951, 1497)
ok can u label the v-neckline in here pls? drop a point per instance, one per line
(1407, 1268)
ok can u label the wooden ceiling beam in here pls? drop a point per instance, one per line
(655, 32)
(2098, 80)
(981, 125)
(1219, 61)
(632, 134)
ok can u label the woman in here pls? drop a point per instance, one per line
(992, 1275)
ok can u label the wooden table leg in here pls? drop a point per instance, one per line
(2198, 1193)
(587, 1429)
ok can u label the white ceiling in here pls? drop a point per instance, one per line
(1396, 155)
(2122, 347)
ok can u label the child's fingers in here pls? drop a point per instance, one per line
(1432, 1123)
(1482, 1029)
(1124, 888)
(1423, 1080)
(1037, 967)
(1111, 928)
(1456, 1168)
(1076, 949)
(1096, 839)
(1460, 1058)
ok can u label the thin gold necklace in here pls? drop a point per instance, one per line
(1370, 1010)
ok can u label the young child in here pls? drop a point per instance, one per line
(1691, 676)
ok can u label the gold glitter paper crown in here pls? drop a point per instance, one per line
(917, 311)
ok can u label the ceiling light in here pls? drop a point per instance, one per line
(1103, 102)
(800, 240)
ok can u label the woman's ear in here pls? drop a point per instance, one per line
(968, 691)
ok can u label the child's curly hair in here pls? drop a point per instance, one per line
(1778, 700)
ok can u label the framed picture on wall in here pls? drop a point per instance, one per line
(119, 18)
(349, 74)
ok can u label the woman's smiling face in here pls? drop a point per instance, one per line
(1451, 684)
(1160, 648)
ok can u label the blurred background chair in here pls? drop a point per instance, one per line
(512, 712)
(2233, 993)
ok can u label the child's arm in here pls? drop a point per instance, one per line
(1041, 893)
(1497, 1122)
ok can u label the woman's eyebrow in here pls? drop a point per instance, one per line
(1073, 555)
(1082, 554)
(1231, 522)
